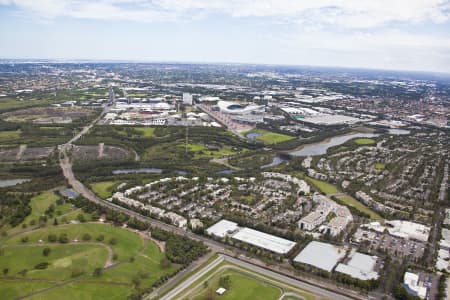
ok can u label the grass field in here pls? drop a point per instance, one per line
(361, 207)
(39, 205)
(147, 132)
(86, 291)
(200, 151)
(268, 137)
(9, 135)
(323, 186)
(380, 166)
(330, 189)
(104, 189)
(244, 284)
(241, 287)
(80, 258)
(13, 289)
(63, 259)
(364, 141)
(128, 244)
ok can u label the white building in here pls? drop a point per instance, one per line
(222, 228)
(320, 255)
(187, 99)
(413, 286)
(263, 240)
(360, 266)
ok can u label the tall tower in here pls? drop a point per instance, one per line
(187, 99)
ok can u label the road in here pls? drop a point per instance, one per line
(215, 246)
(267, 273)
(185, 284)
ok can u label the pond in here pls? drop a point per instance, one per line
(322, 147)
(225, 172)
(252, 135)
(275, 162)
(136, 171)
(12, 182)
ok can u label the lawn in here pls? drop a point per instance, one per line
(86, 291)
(241, 287)
(331, 189)
(350, 201)
(128, 244)
(323, 186)
(39, 204)
(364, 141)
(380, 166)
(268, 137)
(117, 282)
(63, 260)
(104, 189)
(147, 132)
(15, 289)
(200, 151)
(9, 135)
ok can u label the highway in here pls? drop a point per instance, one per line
(215, 246)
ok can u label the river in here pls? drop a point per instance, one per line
(321, 148)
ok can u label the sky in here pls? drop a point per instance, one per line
(379, 34)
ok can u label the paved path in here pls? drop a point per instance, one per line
(22, 149)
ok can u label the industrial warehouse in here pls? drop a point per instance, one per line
(225, 228)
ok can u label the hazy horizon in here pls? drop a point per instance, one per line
(397, 35)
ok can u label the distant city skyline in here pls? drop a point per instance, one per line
(391, 35)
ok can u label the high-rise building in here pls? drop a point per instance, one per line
(187, 99)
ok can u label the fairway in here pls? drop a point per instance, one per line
(104, 189)
(128, 243)
(137, 266)
(364, 141)
(63, 260)
(242, 286)
(268, 137)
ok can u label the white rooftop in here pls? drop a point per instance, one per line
(264, 240)
(222, 228)
(360, 266)
(320, 255)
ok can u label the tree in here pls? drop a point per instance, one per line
(5, 271)
(97, 272)
(81, 218)
(86, 237)
(113, 241)
(100, 238)
(52, 238)
(63, 239)
(24, 239)
(55, 222)
(46, 251)
(225, 281)
(165, 263)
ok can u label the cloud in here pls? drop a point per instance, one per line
(342, 13)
